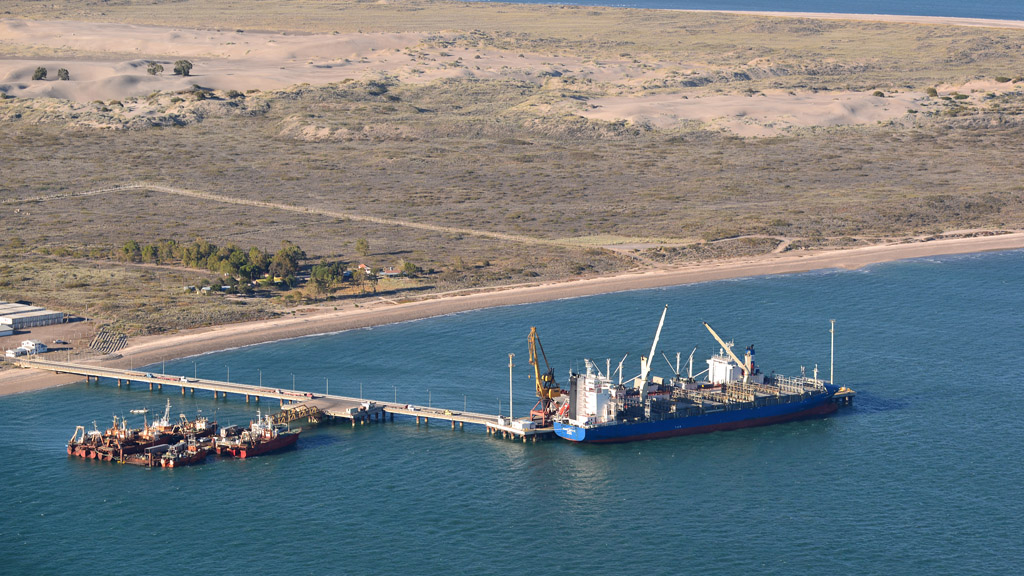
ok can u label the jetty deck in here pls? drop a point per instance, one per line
(296, 404)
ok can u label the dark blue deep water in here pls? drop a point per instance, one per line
(923, 475)
(998, 9)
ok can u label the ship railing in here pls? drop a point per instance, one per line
(752, 388)
(798, 385)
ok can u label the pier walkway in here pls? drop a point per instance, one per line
(296, 404)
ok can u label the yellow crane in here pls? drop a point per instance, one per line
(547, 389)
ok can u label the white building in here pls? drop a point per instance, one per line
(34, 346)
(20, 316)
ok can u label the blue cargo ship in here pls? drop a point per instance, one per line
(734, 394)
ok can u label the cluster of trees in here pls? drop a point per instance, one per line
(41, 72)
(181, 68)
(243, 265)
(325, 277)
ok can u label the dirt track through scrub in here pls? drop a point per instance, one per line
(291, 208)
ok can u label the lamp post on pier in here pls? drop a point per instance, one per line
(510, 366)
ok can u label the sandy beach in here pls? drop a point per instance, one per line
(147, 350)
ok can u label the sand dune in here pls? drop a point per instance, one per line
(759, 115)
(108, 62)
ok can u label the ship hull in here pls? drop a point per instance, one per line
(820, 405)
(185, 459)
(248, 451)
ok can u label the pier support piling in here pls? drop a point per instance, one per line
(150, 386)
(182, 390)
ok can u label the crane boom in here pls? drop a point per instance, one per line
(646, 368)
(547, 389)
(728, 349)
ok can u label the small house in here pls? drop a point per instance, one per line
(34, 346)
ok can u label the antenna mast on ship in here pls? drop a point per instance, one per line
(832, 354)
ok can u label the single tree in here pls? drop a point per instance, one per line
(324, 277)
(150, 254)
(63, 74)
(39, 74)
(131, 251)
(359, 276)
(182, 67)
(286, 262)
(154, 68)
(363, 246)
(409, 269)
(373, 277)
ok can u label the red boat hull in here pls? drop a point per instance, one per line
(281, 442)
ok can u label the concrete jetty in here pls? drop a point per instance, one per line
(299, 404)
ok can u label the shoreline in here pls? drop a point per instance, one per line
(890, 18)
(152, 349)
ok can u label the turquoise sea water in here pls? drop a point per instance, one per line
(923, 475)
(998, 9)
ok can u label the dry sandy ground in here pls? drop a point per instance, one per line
(946, 20)
(153, 349)
(763, 114)
(108, 62)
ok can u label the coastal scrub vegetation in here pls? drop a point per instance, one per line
(415, 167)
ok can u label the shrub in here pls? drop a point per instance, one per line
(932, 92)
(1002, 79)
(63, 74)
(235, 94)
(182, 68)
(879, 94)
(39, 74)
(154, 68)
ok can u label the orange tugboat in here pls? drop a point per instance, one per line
(262, 436)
